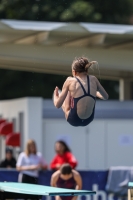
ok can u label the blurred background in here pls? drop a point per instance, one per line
(39, 40)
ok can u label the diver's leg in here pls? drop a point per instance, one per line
(56, 94)
(67, 105)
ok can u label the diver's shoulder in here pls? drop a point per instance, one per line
(70, 79)
(56, 174)
(94, 78)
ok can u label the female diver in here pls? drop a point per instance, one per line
(78, 95)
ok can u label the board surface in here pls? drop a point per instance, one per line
(23, 188)
(130, 184)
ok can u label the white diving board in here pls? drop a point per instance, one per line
(130, 191)
(13, 189)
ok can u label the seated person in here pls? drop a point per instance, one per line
(9, 161)
(67, 178)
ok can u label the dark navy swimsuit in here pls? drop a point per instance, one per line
(73, 117)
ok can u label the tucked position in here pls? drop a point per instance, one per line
(78, 95)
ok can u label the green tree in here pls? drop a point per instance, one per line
(102, 11)
(81, 11)
(112, 11)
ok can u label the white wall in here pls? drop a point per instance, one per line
(32, 112)
(102, 144)
(119, 143)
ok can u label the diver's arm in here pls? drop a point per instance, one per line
(59, 98)
(101, 93)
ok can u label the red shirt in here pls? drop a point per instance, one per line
(67, 157)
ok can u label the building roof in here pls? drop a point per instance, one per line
(50, 47)
(49, 26)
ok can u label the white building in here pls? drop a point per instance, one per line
(107, 141)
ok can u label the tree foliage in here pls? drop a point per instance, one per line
(102, 11)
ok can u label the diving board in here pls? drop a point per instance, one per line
(130, 191)
(32, 191)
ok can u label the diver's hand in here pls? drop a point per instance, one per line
(56, 92)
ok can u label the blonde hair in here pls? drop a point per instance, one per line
(29, 143)
(82, 64)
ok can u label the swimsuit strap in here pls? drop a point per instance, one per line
(88, 80)
(81, 85)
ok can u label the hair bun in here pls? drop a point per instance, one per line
(90, 64)
(82, 64)
(87, 66)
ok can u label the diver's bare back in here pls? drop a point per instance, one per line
(86, 104)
